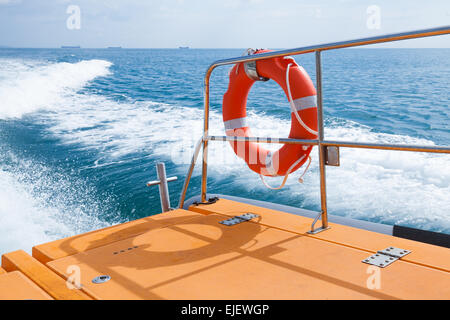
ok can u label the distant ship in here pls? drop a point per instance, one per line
(184, 48)
(114, 48)
(70, 47)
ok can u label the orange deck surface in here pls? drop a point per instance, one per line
(189, 255)
(15, 286)
(424, 254)
(41, 275)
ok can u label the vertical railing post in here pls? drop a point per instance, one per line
(163, 188)
(320, 126)
(205, 141)
(189, 175)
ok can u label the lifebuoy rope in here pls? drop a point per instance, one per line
(294, 110)
(287, 174)
(291, 102)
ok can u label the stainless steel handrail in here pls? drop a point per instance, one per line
(263, 140)
(327, 143)
(320, 142)
(334, 45)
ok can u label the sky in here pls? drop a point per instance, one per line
(215, 23)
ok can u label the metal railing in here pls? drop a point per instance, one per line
(320, 142)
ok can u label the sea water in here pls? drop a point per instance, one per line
(82, 129)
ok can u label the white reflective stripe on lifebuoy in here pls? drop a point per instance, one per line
(305, 103)
(235, 123)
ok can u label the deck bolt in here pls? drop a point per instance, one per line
(101, 279)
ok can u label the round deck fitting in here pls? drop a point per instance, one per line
(101, 279)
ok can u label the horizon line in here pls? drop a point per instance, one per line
(195, 48)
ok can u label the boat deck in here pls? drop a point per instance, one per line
(188, 254)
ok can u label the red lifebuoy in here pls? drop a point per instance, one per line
(301, 94)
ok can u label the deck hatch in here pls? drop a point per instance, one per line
(239, 219)
(385, 257)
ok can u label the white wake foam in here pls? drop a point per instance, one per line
(30, 86)
(37, 203)
(40, 204)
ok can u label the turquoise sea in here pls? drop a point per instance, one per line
(82, 129)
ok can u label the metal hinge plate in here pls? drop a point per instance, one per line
(385, 257)
(380, 260)
(239, 219)
(332, 156)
